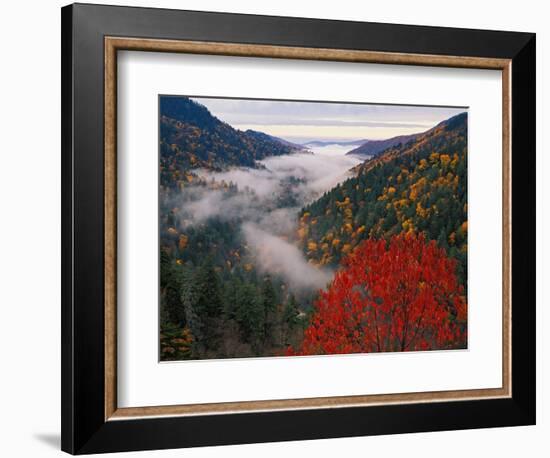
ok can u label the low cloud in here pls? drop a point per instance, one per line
(215, 203)
(322, 170)
(263, 182)
(281, 221)
(277, 256)
(292, 181)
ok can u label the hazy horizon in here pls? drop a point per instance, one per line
(303, 122)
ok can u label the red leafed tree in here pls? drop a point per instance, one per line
(401, 295)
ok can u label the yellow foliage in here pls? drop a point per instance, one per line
(454, 162)
(311, 246)
(423, 164)
(344, 203)
(303, 232)
(417, 188)
(445, 160)
(401, 203)
(182, 243)
(408, 225)
(421, 211)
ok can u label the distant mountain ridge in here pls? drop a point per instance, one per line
(321, 143)
(191, 137)
(374, 147)
(263, 136)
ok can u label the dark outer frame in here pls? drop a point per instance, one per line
(115, 44)
(84, 428)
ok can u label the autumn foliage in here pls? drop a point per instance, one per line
(401, 295)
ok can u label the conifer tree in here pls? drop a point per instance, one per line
(205, 304)
(269, 298)
(290, 318)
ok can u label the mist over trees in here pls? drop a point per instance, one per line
(264, 245)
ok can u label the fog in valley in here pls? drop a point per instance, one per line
(266, 206)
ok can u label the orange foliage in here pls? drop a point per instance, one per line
(396, 296)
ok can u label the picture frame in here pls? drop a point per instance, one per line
(92, 421)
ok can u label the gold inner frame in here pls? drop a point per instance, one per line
(114, 44)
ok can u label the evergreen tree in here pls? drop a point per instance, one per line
(269, 298)
(194, 323)
(250, 315)
(205, 304)
(290, 318)
(230, 297)
(172, 309)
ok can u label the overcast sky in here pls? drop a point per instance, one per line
(305, 121)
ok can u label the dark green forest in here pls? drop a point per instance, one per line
(214, 302)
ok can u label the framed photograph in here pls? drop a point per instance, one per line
(281, 228)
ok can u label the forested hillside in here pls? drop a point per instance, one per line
(191, 138)
(374, 147)
(263, 137)
(214, 300)
(261, 257)
(420, 186)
